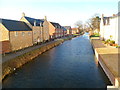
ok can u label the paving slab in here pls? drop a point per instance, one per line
(109, 55)
(97, 43)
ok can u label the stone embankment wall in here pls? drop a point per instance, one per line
(10, 66)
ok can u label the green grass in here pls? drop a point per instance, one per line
(95, 35)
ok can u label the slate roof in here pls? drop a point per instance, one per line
(64, 28)
(13, 25)
(67, 27)
(32, 20)
(56, 24)
(74, 28)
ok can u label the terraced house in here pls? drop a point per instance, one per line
(55, 29)
(69, 30)
(58, 30)
(40, 32)
(15, 35)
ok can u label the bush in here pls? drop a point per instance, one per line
(112, 42)
(117, 46)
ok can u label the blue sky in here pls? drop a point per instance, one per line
(65, 12)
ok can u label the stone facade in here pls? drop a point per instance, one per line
(4, 32)
(40, 32)
(26, 21)
(37, 34)
(46, 29)
(12, 40)
(20, 39)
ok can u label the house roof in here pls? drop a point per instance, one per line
(64, 28)
(13, 25)
(56, 24)
(74, 28)
(67, 27)
(32, 20)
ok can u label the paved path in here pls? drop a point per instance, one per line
(20, 52)
(109, 55)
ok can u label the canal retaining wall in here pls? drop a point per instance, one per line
(10, 66)
(108, 60)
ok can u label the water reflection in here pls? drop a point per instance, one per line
(70, 65)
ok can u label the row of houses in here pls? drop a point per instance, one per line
(109, 28)
(29, 31)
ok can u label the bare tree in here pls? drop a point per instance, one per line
(94, 22)
(79, 25)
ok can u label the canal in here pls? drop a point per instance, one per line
(69, 65)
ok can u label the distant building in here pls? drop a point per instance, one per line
(64, 31)
(69, 30)
(58, 30)
(55, 29)
(15, 35)
(75, 30)
(109, 28)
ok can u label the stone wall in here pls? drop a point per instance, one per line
(45, 31)
(37, 34)
(4, 32)
(11, 65)
(20, 39)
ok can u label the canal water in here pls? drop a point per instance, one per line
(69, 65)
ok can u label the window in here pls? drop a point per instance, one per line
(16, 33)
(29, 33)
(23, 33)
(34, 32)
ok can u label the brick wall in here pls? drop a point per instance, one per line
(4, 46)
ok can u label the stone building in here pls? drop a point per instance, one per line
(40, 32)
(69, 30)
(64, 31)
(58, 30)
(75, 30)
(15, 35)
(55, 29)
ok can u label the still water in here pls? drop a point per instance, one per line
(69, 65)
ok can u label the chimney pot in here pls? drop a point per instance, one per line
(102, 15)
(45, 17)
(34, 23)
(23, 14)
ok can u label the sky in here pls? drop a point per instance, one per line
(64, 12)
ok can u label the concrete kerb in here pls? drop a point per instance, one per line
(114, 80)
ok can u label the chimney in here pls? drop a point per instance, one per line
(23, 14)
(34, 23)
(45, 18)
(102, 15)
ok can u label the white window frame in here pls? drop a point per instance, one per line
(16, 33)
(23, 33)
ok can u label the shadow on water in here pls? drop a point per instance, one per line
(70, 65)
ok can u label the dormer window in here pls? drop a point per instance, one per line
(40, 24)
(34, 23)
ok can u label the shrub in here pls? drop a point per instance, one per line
(117, 46)
(112, 42)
